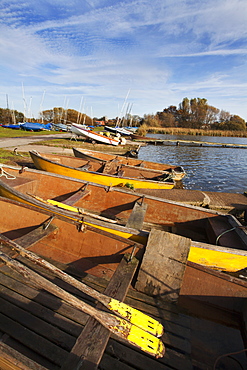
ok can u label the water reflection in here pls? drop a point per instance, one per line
(208, 168)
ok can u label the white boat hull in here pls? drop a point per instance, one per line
(82, 131)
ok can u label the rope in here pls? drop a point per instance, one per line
(6, 174)
(230, 355)
(227, 231)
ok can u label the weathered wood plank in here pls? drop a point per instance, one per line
(17, 284)
(137, 215)
(80, 194)
(92, 342)
(59, 321)
(12, 359)
(33, 341)
(35, 235)
(172, 358)
(244, 323)
(110, 166)
(163, 265)
(28, 239)
(41, 327)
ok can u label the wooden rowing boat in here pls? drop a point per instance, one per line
(176, 172)
(110, 175)
(131, 215)
(42, 331)
(141, 138)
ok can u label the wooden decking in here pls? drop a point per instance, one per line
(196, 143)
(43, 329)
(38, 330)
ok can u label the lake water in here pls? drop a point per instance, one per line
(208, 168)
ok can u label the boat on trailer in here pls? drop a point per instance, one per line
(176, 172)
(131, 215)
(46, 331)
(109, 174)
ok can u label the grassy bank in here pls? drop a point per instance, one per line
(13, 159)
(8, 132)
(194, 132)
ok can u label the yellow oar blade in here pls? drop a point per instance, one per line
(136, 317)
(139, 337)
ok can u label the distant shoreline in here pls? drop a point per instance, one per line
(194, 132)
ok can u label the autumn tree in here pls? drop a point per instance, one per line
(8, 116)
(184, 118)
(166, 119)
(151, 120)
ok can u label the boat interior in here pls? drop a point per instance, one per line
(123, 207)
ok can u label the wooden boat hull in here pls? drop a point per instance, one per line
(79, 130)
(69, 244)
(69, 166)
(141, 138)
(176, 172)
(119, 205)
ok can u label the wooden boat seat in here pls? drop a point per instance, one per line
(18, 181)
(78, 195)
(137, 215)
(31, 238)
(111, 166)
(85, 167)
(83, 354)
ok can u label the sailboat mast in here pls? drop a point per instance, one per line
(122, 108)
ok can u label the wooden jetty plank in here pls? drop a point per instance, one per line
(26, 336)
(17, 284)
(163, 265)
(109, 363)
(244, 323)
(67, 325)
(14, 360)
(147, 304)
(39, 325)
(91, 344)
(172, 358)
(137, 215)
(208, 144)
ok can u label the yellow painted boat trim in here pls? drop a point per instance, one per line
(217, 260)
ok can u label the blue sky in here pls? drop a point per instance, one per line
(91, 55)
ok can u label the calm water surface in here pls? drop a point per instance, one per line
(207, 168)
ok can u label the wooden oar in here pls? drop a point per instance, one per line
(120, 327)
(129, 313)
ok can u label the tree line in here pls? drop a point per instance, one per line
(193, 113)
